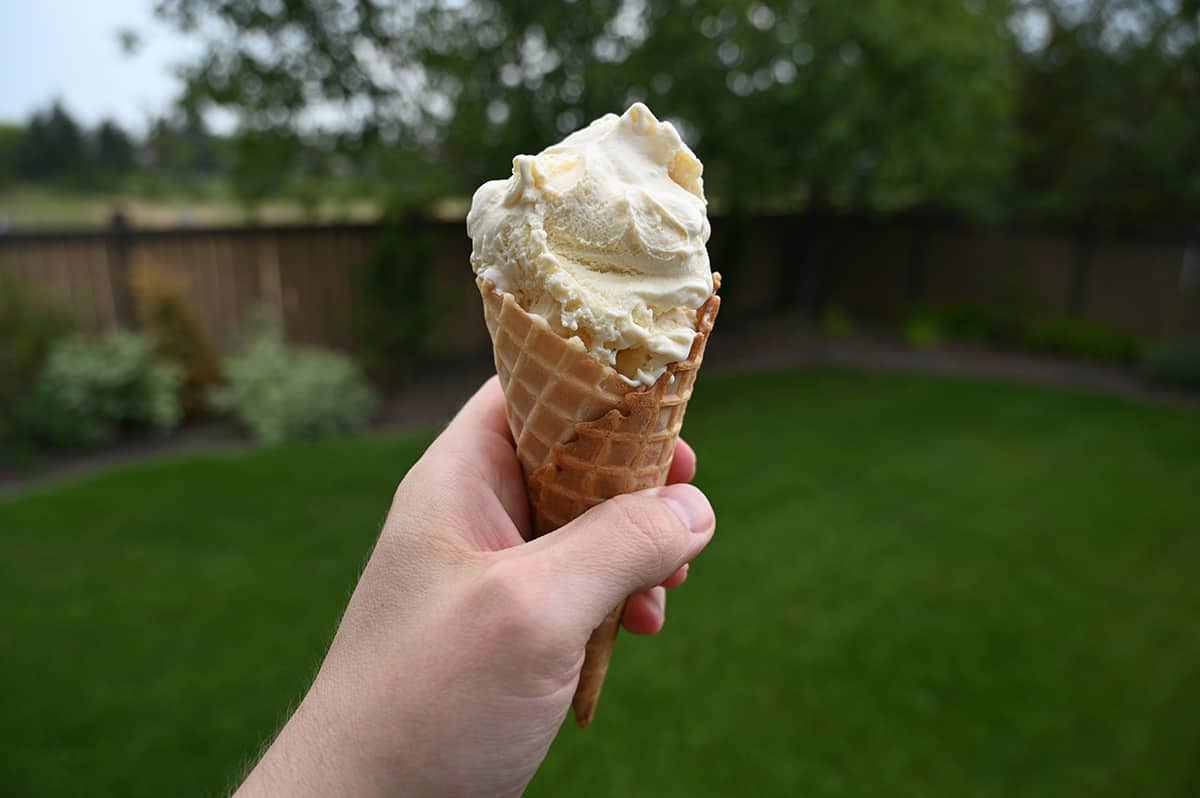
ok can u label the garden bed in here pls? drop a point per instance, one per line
(432, 398)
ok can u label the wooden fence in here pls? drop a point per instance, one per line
(306, 274)
(1148, 286)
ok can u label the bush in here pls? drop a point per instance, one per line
(1174, 363)
(837, 322)
(29, 326)
(922, 331)
(168, 315)
(281, 392)
(394, 304)
(931, 324)
(90, 387)
(1079, 338)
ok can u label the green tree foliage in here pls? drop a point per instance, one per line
(880, 105)
(1110, 108)
(53, 145)
(11, 137)
(263, 162)
(394, 304)
(113, 148)
(180, 145)
(1079, 110)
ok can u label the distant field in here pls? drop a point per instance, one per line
(35, 207)
(919, 587)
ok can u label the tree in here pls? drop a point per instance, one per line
(180, 147)
(11, 138)
(1110, 110)
(114, 149)
(53, 145)
(877, 105)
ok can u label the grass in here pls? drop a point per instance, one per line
(31, 207)
(208, 203)
(920, 587)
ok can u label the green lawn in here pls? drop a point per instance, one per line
(919, 587)
(24, 207)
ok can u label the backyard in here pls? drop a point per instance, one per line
(919, 586)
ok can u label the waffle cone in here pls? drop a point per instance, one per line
(584, 434)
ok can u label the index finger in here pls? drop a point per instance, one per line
(483, 413)
(683, 464)
(477, 448)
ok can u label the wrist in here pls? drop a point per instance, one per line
(314, 754)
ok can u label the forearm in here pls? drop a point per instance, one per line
(311, 757)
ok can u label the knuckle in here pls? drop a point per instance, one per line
(514, 605)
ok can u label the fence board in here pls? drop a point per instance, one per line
(1138, 286)
(874, 268)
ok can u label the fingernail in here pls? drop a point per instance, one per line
(687, 502)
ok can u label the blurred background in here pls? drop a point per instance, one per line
(949, 418)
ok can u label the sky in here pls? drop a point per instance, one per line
(69, 49)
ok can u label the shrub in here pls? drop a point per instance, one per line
(1174, 363)
(922, 331)
(985, 325)
(29, 326)
(972, 323)
(89, 387)
(837, 322)
(929, 325)
(168, 315)
(1079, 338)
(282, 392)
(394, 308)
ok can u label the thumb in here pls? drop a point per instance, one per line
(624, 545)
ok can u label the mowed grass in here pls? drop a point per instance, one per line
(919, 587)
(32, 207)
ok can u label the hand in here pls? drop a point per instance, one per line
(455, 662)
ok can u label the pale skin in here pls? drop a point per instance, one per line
(456, 659)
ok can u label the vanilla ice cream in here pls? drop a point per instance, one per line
(603, 236)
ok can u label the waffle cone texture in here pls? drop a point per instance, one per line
(584, 434)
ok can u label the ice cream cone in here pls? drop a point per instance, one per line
(584, 434)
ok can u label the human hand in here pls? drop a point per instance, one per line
(458, 654)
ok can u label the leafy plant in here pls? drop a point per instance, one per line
(1175, 363)
(29, 326)
(823, 68)
(971, 323)
(1084, 339)
(90, 387)
(837, 322)
(922, 329)
(168, 315)
(394, 310)
(1079, 338)
(282, 392)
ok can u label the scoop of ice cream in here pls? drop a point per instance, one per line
(603, 235)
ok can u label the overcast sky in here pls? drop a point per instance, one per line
(69, 49)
